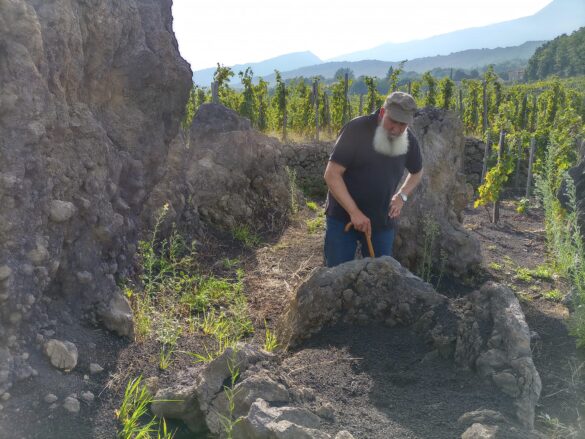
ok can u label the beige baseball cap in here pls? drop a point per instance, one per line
(400, 107)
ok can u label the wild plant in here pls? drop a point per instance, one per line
(227, 420)
(430, 231)
(270, 341)
(133, 414)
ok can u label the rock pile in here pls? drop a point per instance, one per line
(486, 331)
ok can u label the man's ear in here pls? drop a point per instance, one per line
(381, 114)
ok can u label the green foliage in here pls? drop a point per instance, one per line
(134, 417)
(373, 99)
(243, 234)
(427, 267)
(446, 93)
(489, 191)
(312, 206)
(522, 205)
(270, 341)
(430, 83)
(316, 225)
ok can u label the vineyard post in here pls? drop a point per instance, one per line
(486, 154)
(215, 92)
(524, 110)
(361, 108)
(409, 87)
(501, 145)
(485, 107)
(284, 122)
(316, 103)
(460, 102)
(518, 158)
(530, 162)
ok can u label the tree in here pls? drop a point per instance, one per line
(394, 74)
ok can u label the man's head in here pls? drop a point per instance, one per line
(395, 116)
(397, 113)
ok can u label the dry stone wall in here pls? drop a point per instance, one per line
(91, 95)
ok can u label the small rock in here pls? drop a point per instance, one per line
(1, 407)
(61, 211)
(344, 434)
(151, 384)
(326, 412)
(480, 431)
(87, 396)
(5, 272)
(6, 396)
(51, 398)
(40, 338)
(53, 406)
(71, 405)
(86, 377)
(62, 354)
(95, 368)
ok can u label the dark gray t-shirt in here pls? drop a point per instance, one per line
(371, 178)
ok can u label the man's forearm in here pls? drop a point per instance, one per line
(411, 182)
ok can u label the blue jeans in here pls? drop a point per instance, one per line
(340, 246)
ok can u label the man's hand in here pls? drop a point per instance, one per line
(395, 206)
(361, 223)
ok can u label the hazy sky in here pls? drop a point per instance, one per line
(234, 32)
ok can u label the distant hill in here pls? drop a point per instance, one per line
(559, 17)
(282, 63)
(564, 56)
(468, 59)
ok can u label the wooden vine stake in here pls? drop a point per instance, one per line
(316, 104)
(486, 154)
(530, 163)
(501, 144)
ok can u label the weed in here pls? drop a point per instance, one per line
(430, 233)
(230, 263)
(523, 274)
(315, 225)
(133, 414)
(522, 205)
(227, 420)
(243, 234)
(495, 266)
(165, 356)
(553, 295)
(270, 341)
(313, 206)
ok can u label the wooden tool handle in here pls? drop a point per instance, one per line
(349, 225)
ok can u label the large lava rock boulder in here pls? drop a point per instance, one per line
(435, 211)
(225, 174)
(91, 95)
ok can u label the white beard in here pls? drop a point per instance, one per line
(390, 147)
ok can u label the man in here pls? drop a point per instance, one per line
(362, 175)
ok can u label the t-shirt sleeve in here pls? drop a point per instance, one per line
(413, 156)
(344, 148)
